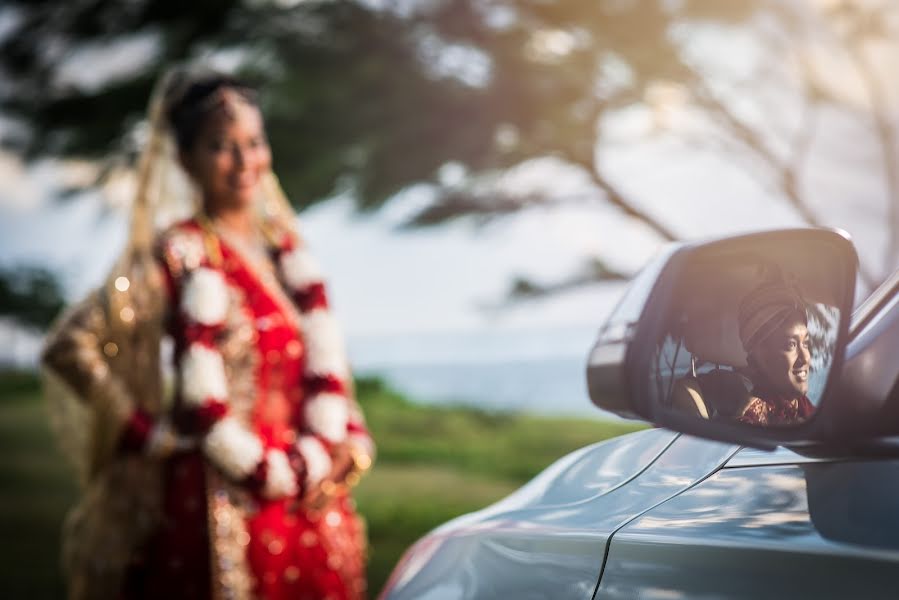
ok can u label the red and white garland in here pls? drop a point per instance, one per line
(328, 417)
(327, 410)
(228, 443)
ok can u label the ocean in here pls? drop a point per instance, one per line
(541, 372)
(552, 386)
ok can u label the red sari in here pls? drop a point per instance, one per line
(222, 535)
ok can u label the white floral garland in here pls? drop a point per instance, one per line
(229, 444)
(325, 354)
(205, 296)
(233, 448)
(202, 375)
(327, 413)
(300, 269)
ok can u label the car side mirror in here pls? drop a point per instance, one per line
(736, 339)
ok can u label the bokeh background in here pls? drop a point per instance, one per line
(479, 178)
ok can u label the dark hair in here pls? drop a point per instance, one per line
(189, 101)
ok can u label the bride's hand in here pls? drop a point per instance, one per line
(164, 440)
(343, 463)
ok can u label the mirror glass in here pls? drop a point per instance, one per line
(749, 334)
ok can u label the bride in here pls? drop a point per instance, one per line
(236, 483)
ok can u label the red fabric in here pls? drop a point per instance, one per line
(175, 563)
(356, 427)
(199, 420)
(311, 297)
(298, 464)
(288, 244)
(136, 432)
(320, 384)
(256, 481)
(199, 333)
(300, 553)
(293, 551)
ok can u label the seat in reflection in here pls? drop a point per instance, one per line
(717, 394)
(715, 388)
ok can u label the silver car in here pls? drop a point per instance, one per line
(774, 469)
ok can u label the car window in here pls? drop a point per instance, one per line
(873, 303)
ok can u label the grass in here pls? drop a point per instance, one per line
(434, 463)
(36, 489)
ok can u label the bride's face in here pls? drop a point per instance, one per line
(229, 156)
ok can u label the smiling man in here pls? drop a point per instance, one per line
(774, 331)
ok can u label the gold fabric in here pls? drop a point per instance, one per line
(231, 577)
(101, 364)
(93, 382)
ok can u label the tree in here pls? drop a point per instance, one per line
(370, 101)
(731, 112)
(30, 295)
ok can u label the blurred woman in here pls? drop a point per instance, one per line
(237, 486)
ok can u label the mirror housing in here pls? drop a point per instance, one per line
(697, 290)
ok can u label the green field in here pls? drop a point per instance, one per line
(445, 461)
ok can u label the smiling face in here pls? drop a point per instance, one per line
(229, 156)
(782, 359)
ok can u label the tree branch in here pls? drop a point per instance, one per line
(886, 138)
(593, 271)
(617, 198)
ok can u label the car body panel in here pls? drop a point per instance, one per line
(821, 529)
(752, 457)
(548, 539)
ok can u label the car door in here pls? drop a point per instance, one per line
(548, 539)
(767, 525)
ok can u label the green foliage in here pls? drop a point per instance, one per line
(518, 446)
(64, 119)
(15, 384)
(362, 98)
(30, 295)
(37, 488)
(434, 464)
(371, 101)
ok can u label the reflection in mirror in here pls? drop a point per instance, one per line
(749, 339)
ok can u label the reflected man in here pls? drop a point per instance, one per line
(773, 325)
